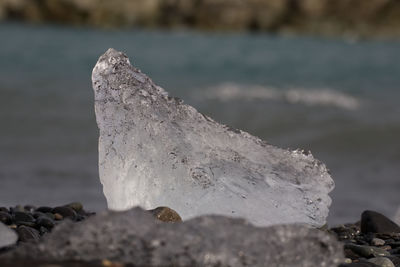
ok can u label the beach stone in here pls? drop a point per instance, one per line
(50, 215)
(38, 214)
(374, 222)
(5, 218)
(388, 236)
(7, 236)
(17, 208)
(366, 251)
(134, 236)
(382, 262)
(4, 209)
(377, 242)
(76, 206)
(45, 222)
(350, 254)
(166, 214)
(395, 260)
(43, 230)
(29, 224)
(395, 251)
(44, 209)
(58, 217)
(21, 217)
(394, 244)
(346, 232)
(29, 208)
(28, 234)
(66, 212)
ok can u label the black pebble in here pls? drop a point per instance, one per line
(45, 222)
(28, 234)
(20, 216)
(50, 215)
(66, 212)
(43, 230)
(44, 209)
(29, 224)
(29, 208)
(374, 222)
(3, 209)
(38, 214)
(5, 217)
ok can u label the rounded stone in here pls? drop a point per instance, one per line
(367, 251)
(374, 222)
(66, 212)
(45, 222)
(44, 209)
(76, 206)
(17, 208)
(37, 214)
(382, 262)
(20, 216)
(8, 237)
(29, 224)
(28, 234)
(4, 209)
(5, 218)
(166, 214)
(50, 215)
(58, 217)
(29, 208)
(377, 242)
(43, 230)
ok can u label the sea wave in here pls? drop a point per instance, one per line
(311, 97)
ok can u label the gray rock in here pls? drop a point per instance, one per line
(377, 242)
(135, 236)
(7, 236)
(382, 262)
(367, 251)
(28, 234)
(374, 222)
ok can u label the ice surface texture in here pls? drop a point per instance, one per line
(154, 150)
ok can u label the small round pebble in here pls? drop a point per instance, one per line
(377, 242)
(45, 222)
(58, 216)
(44, 209)
(382, 262)
(21, 216)
(5, 218)
(28, 234)
(66, 212)
(367, 251)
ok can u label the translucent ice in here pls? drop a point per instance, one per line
(155, 150)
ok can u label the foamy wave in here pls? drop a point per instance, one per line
(309, 97)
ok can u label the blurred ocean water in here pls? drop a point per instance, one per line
(338, 99)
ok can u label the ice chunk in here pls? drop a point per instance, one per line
(156, 151)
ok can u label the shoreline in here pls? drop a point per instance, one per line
(349, 19)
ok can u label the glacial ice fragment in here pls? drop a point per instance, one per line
(155, 150)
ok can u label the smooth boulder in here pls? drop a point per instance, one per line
(374, 222)
(7, 236)
(136, 236)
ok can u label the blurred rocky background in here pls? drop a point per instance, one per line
(350, 18)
